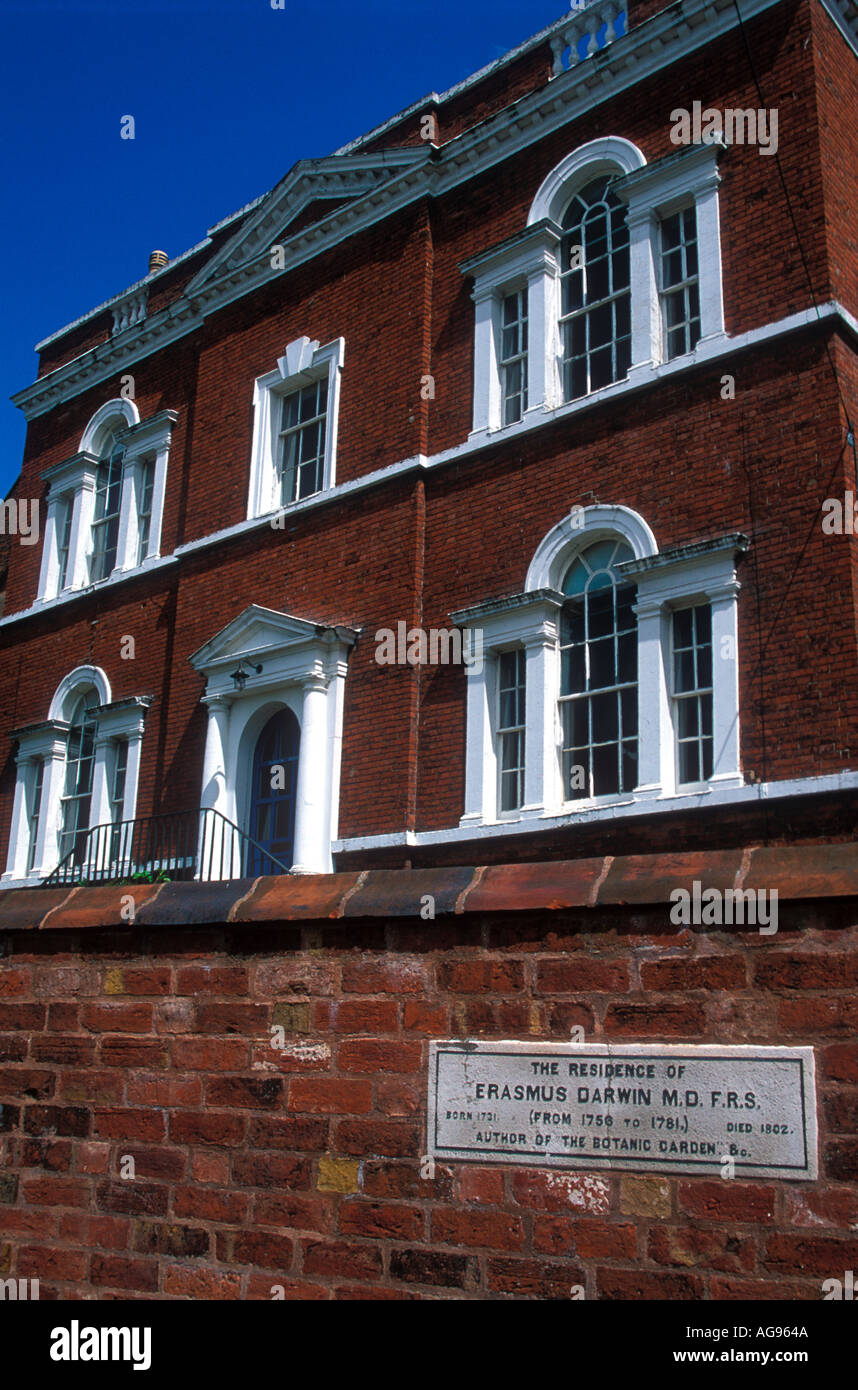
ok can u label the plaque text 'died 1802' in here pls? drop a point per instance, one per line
(680, 1109)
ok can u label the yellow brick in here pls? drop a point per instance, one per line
(295, 1018)
(338, 1174)
(645, 1197)
(114, 982)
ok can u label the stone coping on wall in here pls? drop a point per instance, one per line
(795, 872)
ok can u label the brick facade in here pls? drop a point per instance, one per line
(256, 1166)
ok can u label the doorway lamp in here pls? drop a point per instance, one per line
(240, 676)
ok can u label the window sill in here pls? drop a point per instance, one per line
(732, 792)
(644, 374)
(70, 595)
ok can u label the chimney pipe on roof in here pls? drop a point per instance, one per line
(157, 260)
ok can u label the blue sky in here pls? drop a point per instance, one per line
(226, 96)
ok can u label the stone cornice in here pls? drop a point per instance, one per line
(417, 172)
(794, 872)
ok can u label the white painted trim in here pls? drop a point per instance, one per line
(120, 413)
(355, 485)
(304, 668)
(529, 261)
(82, 677)
(122, 721)
(606, 156)
(48, 741)
(711, 351)
(703, 573)
(681, 801)
(72, 595)
(303, 362)
(583, 527)
(74, 480)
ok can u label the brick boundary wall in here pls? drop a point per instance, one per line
(301, 1167)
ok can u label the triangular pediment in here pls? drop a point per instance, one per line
(314, 191)
(256, 630)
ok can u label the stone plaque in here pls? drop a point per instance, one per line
(669, 1109)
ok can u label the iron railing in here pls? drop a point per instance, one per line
(178, 846)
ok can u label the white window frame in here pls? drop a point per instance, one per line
(73, 483)
(528, 261)
(700, 573)
(678, 698)
(532, 258)
(47, 742)
(302, 363)
(304, 668)
(688, 178)
(502, 731)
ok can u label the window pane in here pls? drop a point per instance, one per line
(605, 714)
(602, 671)
(685, 670)
(628, 658)
(606, 771)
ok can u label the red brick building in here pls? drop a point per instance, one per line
(705, 452)
(548, 385)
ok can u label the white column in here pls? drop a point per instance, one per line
(709, 260)
(19, 836)
(49, 571)
(101, 842)
(543, 312)
(126, 543)
(217, 847)
(214, 759)
(541, 769)
(159, 488)
(312, 850)
(486, 379)
(132, 775)
(656, 769)
(725, 685)
(480, 762)
(50, 819)
(80, 541)
(102, 772)
(646, 324)
(336, 701)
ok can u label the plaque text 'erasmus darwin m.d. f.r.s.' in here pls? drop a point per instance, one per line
(685, 1109)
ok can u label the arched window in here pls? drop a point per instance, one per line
(599, 675)
(275, 780)
(599, 685)
(77, 790)
(617, 272)
(595, 317)
(105, 505)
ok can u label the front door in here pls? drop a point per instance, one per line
(274, 787)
